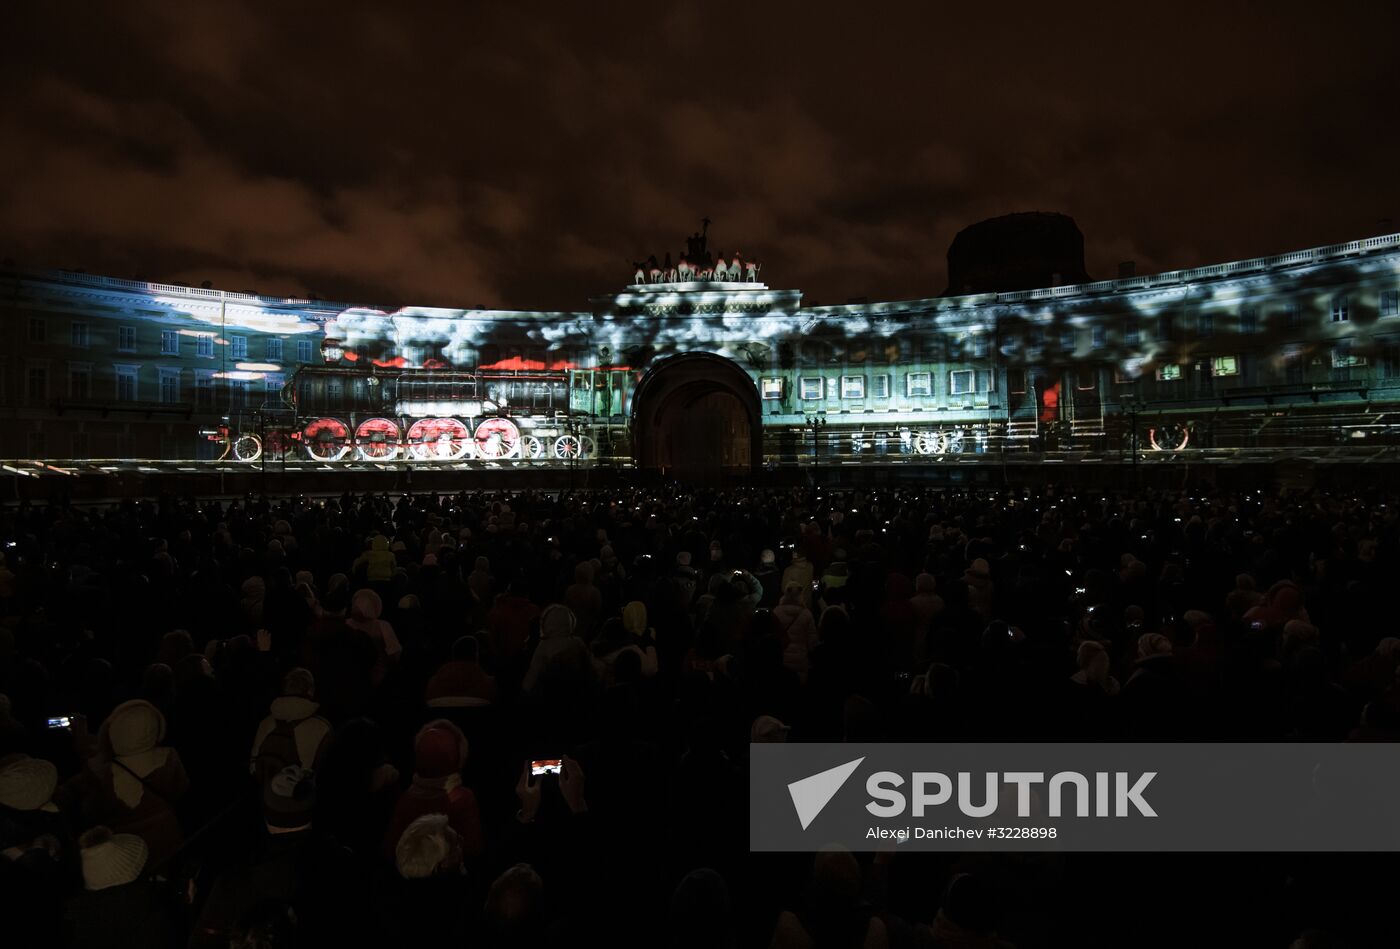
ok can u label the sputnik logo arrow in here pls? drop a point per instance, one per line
(811, 794)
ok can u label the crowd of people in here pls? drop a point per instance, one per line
(510, 719)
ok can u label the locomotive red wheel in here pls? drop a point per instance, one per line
(497, 438)
(326, 439)
(439, 439)
(377, 439)
(1170, 436)
(247, 447)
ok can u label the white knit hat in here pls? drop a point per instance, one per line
(111, 859)
(27, 784)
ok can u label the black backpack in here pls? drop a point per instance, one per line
(278, 750)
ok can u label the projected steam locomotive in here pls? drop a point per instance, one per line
(333, 414)
(697, 362)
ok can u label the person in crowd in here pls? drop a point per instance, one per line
(439, 752)
(293, 732)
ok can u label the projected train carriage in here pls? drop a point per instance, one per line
(336, 414)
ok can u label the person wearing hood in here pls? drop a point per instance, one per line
(770, 579)
(461, 681)
(365, 610)
(439, 754)
(293, 733)
(119, 904)
(978, 580)
(800, 573)
(36, 844)
(480, 581)
(629, 634)
(378, 561)
(133, 782)
(561, 656)
(798, 628)
(1151, 696)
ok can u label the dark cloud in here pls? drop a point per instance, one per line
(520, 156)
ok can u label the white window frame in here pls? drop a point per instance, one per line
(911, 385)
(1012, 386)
(170, 342)
(123, 371)
(29, 370)
(79, 334)
(273, 349)
(126, 338)
(953, 387)
(813, 389)
(238, 347)
(1341, 309)
(1249, 320)
(1169, 372)
(204, 345)
(1390, 303)
(1098, 336)
(1344, 358)
(164, 375)
(771, 388)
(880, 386)
(853, 387)
(79, 369)
(306, 351)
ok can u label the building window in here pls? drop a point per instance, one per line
(274, 349)
(1035, 338)
(80, 382)
(79, 335)
(880, 387)
(979, 346)
(304, 350)
(960, 382)
(37, 386)
(38, 330)
(1168, 373)
(169, 386)
(274, 381)
(1225, 366)
(1016, 381)
(771, 387)
(1131, 335)
(1205, 324)
(126, 338)
(204, 344)
(1293, 315)
(1249, 320)
(1067, 338)
(204, 389)
(853, 387)
(1343, 357)
(1341, 312)
(811, 389)
(238, 347)
(1097, 337)
(1086, 379)
(126, 383)
(170, 342)
(918, 385)
(335, 393)
(1122, 375)
(1390, 303)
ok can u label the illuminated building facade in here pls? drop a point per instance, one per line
(700, 366)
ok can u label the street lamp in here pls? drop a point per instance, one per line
(816, 423)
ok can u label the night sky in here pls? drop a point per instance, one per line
(518, 155)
